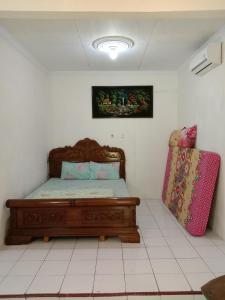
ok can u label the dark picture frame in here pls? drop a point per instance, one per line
(122, 101)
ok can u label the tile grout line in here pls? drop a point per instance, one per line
(189, 245)
(8, 273)
(174, 259)
(64, 276)
(151, 262)
(124, 275)
(35, 276)
(15, 262)
(96, 261)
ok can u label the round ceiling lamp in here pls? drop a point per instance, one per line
(113, 45)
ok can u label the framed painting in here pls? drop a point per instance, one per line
(122, 101)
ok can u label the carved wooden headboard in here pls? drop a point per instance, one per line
(83, 151)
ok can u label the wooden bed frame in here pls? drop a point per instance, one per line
(32, 218)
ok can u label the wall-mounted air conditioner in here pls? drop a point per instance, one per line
(207, 59)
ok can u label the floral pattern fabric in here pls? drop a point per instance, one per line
(72, 170)
(185, 137)
(104, 170)
(188, 186)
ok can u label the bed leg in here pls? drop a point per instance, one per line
(130, 237)
(102, 238)
(46, 239)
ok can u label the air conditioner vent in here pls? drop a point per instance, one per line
(207, 59)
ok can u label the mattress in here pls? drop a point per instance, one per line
(59, 188)
(188, 187)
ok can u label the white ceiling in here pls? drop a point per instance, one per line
(163, 41)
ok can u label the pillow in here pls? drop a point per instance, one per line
(188, 137)
(72, 170)
(104, 170)
(185, 137)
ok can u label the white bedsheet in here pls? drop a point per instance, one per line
(79, 193)
(59, 188)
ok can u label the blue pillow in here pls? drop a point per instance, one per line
(104, 170)
(72, 170)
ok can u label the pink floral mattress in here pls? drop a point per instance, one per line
(188, 187)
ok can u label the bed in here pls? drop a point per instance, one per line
(41, 215)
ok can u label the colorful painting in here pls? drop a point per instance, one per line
(122, 101)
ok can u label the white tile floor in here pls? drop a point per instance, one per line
(167, 259)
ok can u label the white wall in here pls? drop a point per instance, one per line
(23, 116)
(202, 102)
(144, 140)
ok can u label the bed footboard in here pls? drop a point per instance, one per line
(72, 217)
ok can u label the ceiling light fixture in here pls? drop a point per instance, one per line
(113, 45)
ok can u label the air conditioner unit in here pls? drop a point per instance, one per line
(207, 59)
